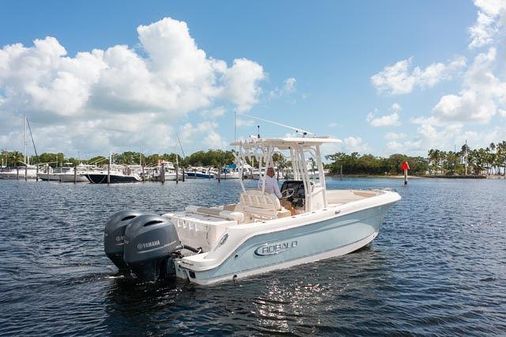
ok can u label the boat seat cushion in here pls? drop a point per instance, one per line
(261, 204)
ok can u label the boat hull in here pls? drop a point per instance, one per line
(199, 175)
(18, 174)
(266, 252)
(233, 175)
(114, 179)
(168, 177)
(63, 178)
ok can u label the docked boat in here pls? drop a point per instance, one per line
(255, 174)
(230, 171)
(114, 176)
(24, 171)
(165, 171)
(64, 174)
(200, 173)
(206, 245)
(19, 173)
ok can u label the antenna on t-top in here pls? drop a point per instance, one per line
(297, 130)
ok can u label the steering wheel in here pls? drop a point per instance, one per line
(287, 193)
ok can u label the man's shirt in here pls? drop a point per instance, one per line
(271, 186)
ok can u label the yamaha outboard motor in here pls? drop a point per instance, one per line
(113, 237)
(150, 241)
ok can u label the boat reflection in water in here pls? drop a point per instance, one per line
(322, 297)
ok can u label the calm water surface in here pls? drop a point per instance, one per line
(438, 267)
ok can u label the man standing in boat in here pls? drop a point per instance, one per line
(272, 187)
(271, 184)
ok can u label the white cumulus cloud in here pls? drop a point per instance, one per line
(213, 113)
(241, 83)
(242, 122)
(400, 78)
(287, 88)
(392, 119)
(204, 133)
(480, 99)
(490, 24)
(166, 77)
(481, 96)
(395, 136)
(355, 144)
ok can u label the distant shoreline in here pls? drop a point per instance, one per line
(373, 176)
(417, 177)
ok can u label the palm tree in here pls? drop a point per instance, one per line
(435, 157)
(481, 160)
(472, 160)
(432, 159)
(491, 158)
(501, 156)
(464, 154)
(452, 161)
(280, 162)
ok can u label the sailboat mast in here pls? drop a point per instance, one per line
(181, 146)
(24, 138)
(31, 137)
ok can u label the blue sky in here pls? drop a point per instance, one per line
(384, 76)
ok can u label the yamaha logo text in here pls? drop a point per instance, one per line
(151, 244)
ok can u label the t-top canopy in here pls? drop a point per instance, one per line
(285, 143)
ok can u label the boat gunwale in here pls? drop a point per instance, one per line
(281, 224)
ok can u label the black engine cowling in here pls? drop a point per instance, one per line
(150, 241)
(114, 234)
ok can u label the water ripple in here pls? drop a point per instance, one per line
(437, 268)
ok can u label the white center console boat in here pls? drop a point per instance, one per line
(256, 234)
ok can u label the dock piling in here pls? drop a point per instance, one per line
(109, 173)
